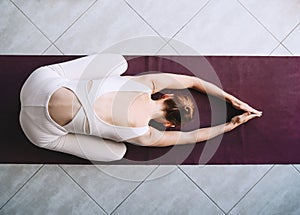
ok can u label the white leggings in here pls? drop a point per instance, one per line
(43, 131)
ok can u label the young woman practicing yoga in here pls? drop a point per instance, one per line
(85, 108)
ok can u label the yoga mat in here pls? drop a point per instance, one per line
(270, 84)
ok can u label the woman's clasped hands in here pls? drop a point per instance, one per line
(250, 113)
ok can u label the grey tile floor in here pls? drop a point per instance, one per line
(165, 27)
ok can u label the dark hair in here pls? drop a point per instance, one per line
(179, 109)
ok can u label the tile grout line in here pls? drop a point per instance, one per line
(53, 42)
(50, 46)
(274, 49)
(131, 7)
(83, 13)
(22, 186)
(280, 44)
(250, 189)
(58, 49)
(134, 189)
(286, 48)
(164, 45)
(157, 52)
(201, 189)
(290, 33)
(245, 8)
(81, 188)
(296, 168)
(46, 49)
(180, 29)
(31, 21)
(196, 14)
(178, 51)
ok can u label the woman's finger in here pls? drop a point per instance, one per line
(250, 116)
(241, 118)
(251, 109)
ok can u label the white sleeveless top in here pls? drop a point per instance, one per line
(87, 114)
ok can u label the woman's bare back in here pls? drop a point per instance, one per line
(116, 108)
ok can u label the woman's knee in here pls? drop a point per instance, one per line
(121, 152)
(116, 152)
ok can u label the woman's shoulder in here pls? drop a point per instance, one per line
(143, 81)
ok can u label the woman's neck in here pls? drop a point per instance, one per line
(156, 110)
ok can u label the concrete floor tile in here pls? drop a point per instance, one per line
(13, 177)
(281, 51)
(53, 17)
(165, 16)
(17, 34)
(51, 191)
(143, 45)
(171, 193)
(279, 17)
(226, 28)
(292, 41)
(277, 193)
(226, 184)
(106, 24)
(109, 184)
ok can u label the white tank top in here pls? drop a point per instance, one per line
(86, 113)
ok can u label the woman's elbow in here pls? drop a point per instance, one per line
(146, 142)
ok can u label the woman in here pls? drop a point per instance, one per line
(85, 108)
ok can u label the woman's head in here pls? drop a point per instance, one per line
(178, 109)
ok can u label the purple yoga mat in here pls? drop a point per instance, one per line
(270, 84)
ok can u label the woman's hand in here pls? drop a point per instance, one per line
(241, 119)
(238, 104)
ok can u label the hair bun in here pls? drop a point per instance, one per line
(187, 109)
(179, 109)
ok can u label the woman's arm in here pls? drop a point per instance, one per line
(162, 81)
(158, 138)
(211, 89)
